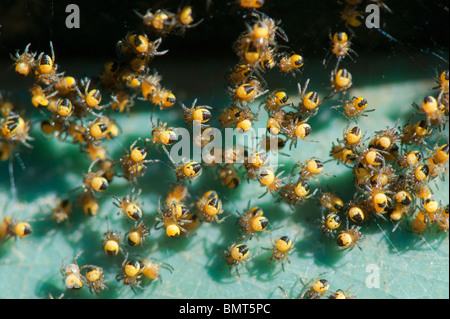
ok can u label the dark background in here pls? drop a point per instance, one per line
(418, 26)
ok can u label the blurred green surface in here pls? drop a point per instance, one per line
(409, 267)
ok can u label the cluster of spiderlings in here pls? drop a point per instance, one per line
(392, 168)
(391, 172)
(69, 108)
(73, 111)
(256, 49)
(288, 122)
(257, 52)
